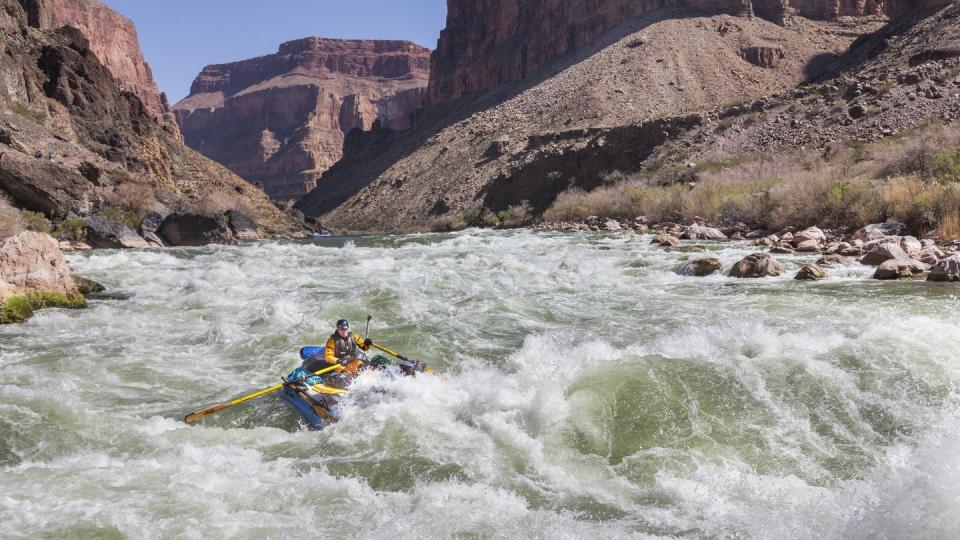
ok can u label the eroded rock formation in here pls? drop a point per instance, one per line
(113, 38)
(280, 120)
(72, 142)
(487, 44)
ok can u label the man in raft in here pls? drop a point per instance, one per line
(342, 347)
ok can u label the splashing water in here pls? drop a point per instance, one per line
(589, 391)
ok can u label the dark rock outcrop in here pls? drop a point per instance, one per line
(44, 186)
(105, 234)
(242, 227)
(763, 56)
(179, 229)
(279, 120)
(113, 38)
(93, 130)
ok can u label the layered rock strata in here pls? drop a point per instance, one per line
(280, 120)
(113, 38)
(72, 142)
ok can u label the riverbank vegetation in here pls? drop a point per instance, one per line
(17, 309)
(913, 178)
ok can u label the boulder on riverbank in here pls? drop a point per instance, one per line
(899, 268)
(105, 234)
(666, 240)
(879, 253)
(757, 265)
(702, 267)
(700, 232)
(831, 260)
(180, 229)
(812, 234)
(34, 275)
(877, 231)
(947, 269)
(242, 227)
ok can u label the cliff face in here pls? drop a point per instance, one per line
(113, 38)
(101, 146)
(488, 43)
(572, 119)
(280, 120)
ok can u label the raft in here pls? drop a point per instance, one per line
(317, 404)
(316, 399)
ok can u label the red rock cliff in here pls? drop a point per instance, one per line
(280, 120)
(113, 38)
(487, 43)
(491, 42)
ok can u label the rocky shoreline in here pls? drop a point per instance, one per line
(174, 229)
(886, 246)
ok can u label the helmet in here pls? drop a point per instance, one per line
(342, 323)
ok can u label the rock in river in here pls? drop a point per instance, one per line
(702, 267)
(899, 268)
(757, 265)
(811, 272)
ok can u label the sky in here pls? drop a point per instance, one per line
(180, 37)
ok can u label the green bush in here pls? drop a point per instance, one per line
(27, 113)
(129, 218)
(72, 228)
(36, 221)
(946, 166)
(18, 309)
(516, 216)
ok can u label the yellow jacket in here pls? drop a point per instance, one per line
(332, 353)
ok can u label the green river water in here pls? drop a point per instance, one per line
(588, 391)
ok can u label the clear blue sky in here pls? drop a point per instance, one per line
(179, 37)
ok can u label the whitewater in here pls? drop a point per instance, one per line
(588, 390)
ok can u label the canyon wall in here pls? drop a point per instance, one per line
(113, 38)
(279, 120)
(488, 43)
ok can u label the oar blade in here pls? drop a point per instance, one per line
(191, 418)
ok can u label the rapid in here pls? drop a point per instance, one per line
(587, 391)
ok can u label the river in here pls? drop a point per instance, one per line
(587, 391)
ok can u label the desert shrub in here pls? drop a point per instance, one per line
(516, 216)
(915, 152)
(946, 166)
(27, 112)
(922, 205)
(949, 227)
(845, 185)
(130, 218)
(133, 197)
(11, 222)
(36, 221)
(72, 228)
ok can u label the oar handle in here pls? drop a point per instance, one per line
(391, 353)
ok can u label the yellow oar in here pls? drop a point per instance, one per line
(401, 358)
(191, 418)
